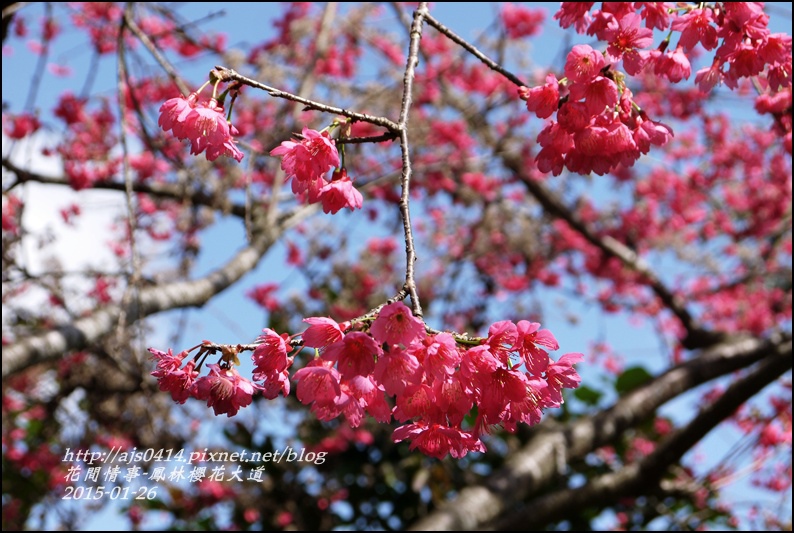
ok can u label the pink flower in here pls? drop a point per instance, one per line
(339, 194)
(599, 93)
(480, 360)
(227, 148)
(438, 355)
(531, 345)
(562, 375)
(272, 364)
(355, 354)
(707, 77)
(626, 35)
(649, 132)
(309, 159)
(270, 357)
(318, 382)
(453, 398)
(675, 66)
(520, 21)
(321, 332)
(173, 113)
(437, 440)
(544, 99)
(395, 370)
(263, 295)
(417, 401)
(529, 409)
(167, 360)
(613, 138)
(501, 337)
(171, 378)
(204, 126)
(574, 13)
(583, 64)
(397, 325)
(695, 27)
(225, 390)
(21, 125)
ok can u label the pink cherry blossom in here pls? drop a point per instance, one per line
(583, 63)
(544, 99)
(397, 325)
(205, 125)
(561, 374)
(309, 159)
(520, 21)
(437, 440)
(696, 27)
(394, 370)
(225, 390)
(270, 357)
(626, 35)
(173, 113)
(171, 378)
(355, 354)
(531, 345)
(318, 382)
(322, 332)
(340, 194)
(438, 355)
(673, 65)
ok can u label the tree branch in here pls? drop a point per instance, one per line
(474, 51)
(697, 337)
(227, 74)
(81, 333)
(644, 477)
(405, 211)
(162, 190)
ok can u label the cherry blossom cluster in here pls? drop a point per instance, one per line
(447, 391)
(598, 123)
(599, 126)
(204, 124)
(308, 161)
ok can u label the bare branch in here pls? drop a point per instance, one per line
(227, 74)
(405, 211)
(474, 51)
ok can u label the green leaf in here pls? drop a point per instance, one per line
(631, 379)
(587, 395)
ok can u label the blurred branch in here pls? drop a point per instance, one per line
(65, 337)
(696, 337)
(529, 469)
(158, 56)
(161, 190)
(644, 477)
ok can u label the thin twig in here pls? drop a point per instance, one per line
(227, 74)
(160, 58)
(474, 51)
(405, 212)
